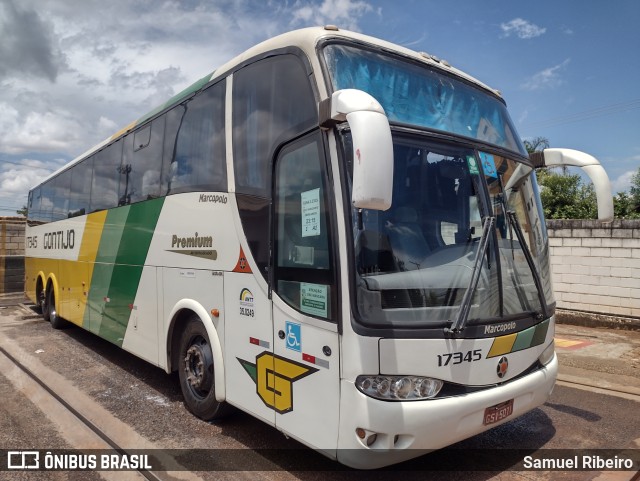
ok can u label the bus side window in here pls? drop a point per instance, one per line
(304, 276)
(142, 163)
(105, 184)
(272, 101)
(61, 186)
(199, 162)
(80, 193)
(33, 212)
(173, 119)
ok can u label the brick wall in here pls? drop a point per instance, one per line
(596, 266)
(11, 254)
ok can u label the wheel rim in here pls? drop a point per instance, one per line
(52, 306)
(42, 301)
(198, 367)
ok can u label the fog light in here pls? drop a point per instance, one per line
(372, 439)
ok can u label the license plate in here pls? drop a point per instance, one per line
(498, 412)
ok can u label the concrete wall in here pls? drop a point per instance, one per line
(11, 254)
(596, 267)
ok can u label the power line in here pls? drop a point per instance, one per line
(587, 114)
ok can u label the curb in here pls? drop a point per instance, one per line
(594, 319)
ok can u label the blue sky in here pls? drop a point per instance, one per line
(72, 72)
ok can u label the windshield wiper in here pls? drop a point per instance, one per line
(513, 221)
(457, 326)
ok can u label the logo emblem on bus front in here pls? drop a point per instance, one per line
(503, 365)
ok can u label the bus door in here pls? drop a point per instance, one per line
(306, 362)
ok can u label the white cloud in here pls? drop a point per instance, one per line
(344, 13)
(73, 72)
(623, 182)
(547, 78)
(17, 178)
(522, 29)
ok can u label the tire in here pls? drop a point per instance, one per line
(195, 370)
(44, 304)
(40, 298)
(52, 313)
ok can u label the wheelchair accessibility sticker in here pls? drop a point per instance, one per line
(293, 336)
(488, 165)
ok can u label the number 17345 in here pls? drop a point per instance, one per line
(459, 357)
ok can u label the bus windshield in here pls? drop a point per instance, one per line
(416, 94)
(414, 262)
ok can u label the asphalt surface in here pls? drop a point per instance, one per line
(594, 406)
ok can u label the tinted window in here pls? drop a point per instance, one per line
(106, 177)
(142, 163)
(199, 162)
(80, 195)
(34, 213)
(173, 119)
(273, 101)
(46, 201)
(61, 186)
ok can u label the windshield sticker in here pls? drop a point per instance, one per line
(313, 299)
(310, 203)
(488, 165)
(473, 165)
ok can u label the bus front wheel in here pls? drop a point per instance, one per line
(195, 370)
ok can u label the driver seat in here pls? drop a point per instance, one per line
(409, 246)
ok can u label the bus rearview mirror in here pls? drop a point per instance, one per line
(372, 145)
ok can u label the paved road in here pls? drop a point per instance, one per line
(145, 406)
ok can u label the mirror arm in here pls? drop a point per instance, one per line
(590, 165)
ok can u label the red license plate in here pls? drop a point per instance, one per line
(498, 412)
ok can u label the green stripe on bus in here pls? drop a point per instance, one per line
(532, 337)
(541, 333)
(132, 253)
(103, 267)
(121, 255)
(523, 341)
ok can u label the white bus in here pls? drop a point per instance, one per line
(337, 235)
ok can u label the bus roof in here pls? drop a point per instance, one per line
(306, 39)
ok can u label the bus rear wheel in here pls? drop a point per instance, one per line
(51, 312)
(195, 370)
(40, 297)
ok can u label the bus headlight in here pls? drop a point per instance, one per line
(547, 355)
(399, 388)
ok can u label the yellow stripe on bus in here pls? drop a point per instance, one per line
(91, 237)
(78, 273)
(502, 345)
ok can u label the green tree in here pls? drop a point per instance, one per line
(624, 207)
(627, 205)
(536, 144)
(634, 191)
(23, 211)
(565, 196)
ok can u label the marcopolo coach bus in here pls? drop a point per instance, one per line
(337, 235)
